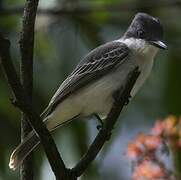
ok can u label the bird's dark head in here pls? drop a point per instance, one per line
(147, 28)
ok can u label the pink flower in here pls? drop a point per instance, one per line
(152, 142)
(179, 143)
(143, 150)
(133, 151)
(148, 170)
(169, 125)
(158, 128)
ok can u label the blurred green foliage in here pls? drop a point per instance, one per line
(60, 42)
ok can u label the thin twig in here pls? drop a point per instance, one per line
(26, 75)
(104, 134)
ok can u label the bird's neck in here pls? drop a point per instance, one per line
(140, 47)
(143, 54)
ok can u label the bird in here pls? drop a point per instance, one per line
(88, 90)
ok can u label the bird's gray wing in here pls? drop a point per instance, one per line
(97, 63)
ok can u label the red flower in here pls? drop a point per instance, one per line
(152, 142)
(134, 151)
(169, 125)
(148, 170)
(158, 128)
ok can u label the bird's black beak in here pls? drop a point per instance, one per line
(158, 44)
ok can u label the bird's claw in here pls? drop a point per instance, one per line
(127, 100)
(99, 127)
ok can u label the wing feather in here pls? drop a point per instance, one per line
(97, 63)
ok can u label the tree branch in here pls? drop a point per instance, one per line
(104, 134)
(26, 75)
(21, 100)
(26, 67)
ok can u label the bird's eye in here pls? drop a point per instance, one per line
(141, 33)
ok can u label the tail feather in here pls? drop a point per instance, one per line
(22, 151)
(30, 142)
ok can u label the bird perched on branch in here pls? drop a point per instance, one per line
(89, 89)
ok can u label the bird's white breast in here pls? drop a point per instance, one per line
(143, 54)
(98, 97)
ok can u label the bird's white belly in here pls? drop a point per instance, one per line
(94, 98)
(98, 97)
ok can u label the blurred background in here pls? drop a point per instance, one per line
(65, 31)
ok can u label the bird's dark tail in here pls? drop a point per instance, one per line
(29, 143)
(22, 151)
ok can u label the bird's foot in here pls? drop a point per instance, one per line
(107, 135)
(127, 100)
(99, 127)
